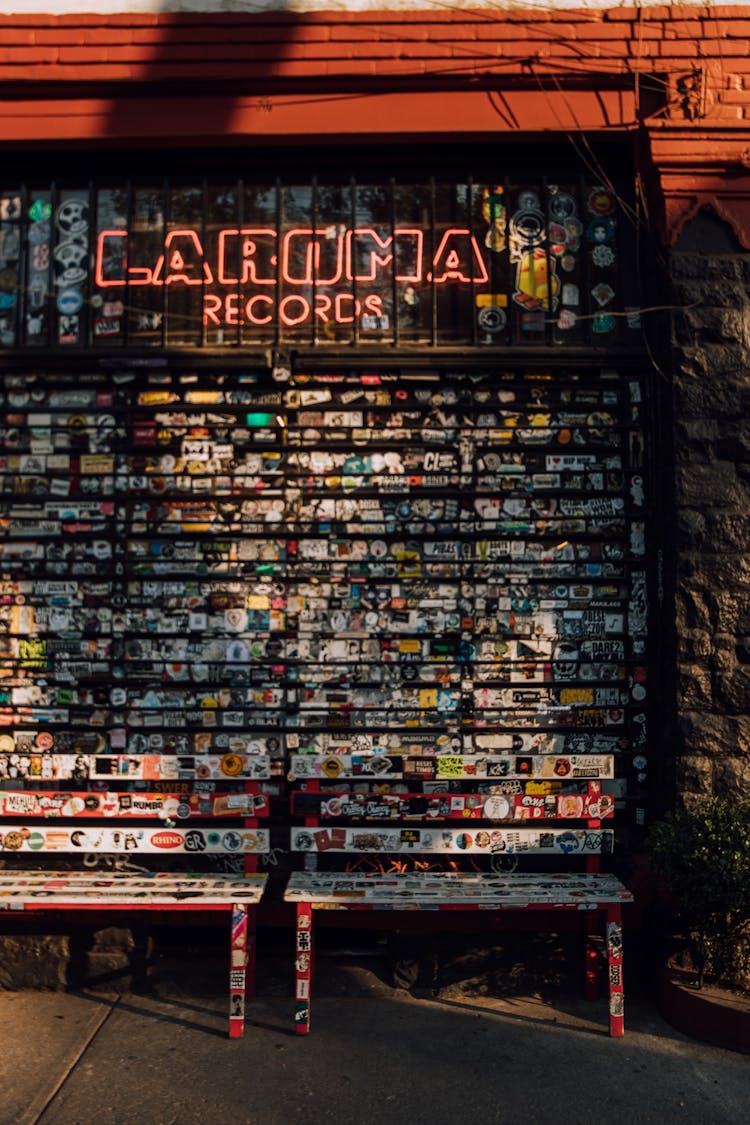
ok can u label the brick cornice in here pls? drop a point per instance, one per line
(696, 168)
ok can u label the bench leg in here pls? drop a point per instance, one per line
(238, 971)
(303, 963)
(614, 967)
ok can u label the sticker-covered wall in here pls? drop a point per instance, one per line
(668, 88)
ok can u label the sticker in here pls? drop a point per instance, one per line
(231, 765)
(73, 216)
(601, 202)
(492, 319)
(602, 293)
(70, 302)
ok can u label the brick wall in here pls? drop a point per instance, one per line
(656, 42)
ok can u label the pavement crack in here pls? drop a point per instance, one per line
(36, 1111)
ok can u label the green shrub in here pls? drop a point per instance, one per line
(703, 856)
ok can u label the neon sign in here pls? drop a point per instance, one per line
(324, 259)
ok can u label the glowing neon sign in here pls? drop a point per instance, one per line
(323, 259)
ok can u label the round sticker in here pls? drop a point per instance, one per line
(331, 767)
(562, 206)
(496, 808)
(44, 740)
(601, 202)
(492, 319)
(231, 765)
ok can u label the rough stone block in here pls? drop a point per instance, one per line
(34, 961)
(694, 690)
(732, 777)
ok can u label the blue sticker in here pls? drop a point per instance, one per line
(69, 301)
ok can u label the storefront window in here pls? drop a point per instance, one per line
(503, 263)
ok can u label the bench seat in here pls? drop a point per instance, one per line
(517, 891)
(53, 890)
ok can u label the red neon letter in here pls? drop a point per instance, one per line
(454, 260)
(133, 275)
(249, 313)
(287, 318)
(211, 305)
(180, 267)
(374, 304)
(254, 240)
(323, 307)
(231, 312)
(338, 308)
(380, 255)
(310, 252)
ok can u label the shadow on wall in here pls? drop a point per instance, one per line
(205, 61)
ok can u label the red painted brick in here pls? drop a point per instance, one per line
(58, 36)
(80, 55)
(19, 20)
(360, 67)
(727, 29)
(678, 48)
(21, 56)
(400, 66)
(541, 30)
(648, 30)
(683, 29)
(727, 11)
(638, 49)
(723, 49)
(435, 32)
(16, 37)
(621, 30)
(91, 19)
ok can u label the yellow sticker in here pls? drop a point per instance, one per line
(491, 300)
(450, 765)
(231, 765)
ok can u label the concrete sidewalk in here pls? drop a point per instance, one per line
(376, 1056)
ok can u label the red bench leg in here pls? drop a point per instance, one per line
(614, 966)
(303, 968)
(238, 971)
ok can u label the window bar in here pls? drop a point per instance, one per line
(279, 222)
(314, 256)
(470, 211)
(431, 275)
(22, 306)
(353, 190)
(204, 226)
(240, 225)
(128, 240)
(51, 306)
(585, 279)
(514, 316)
(91, 259)
(394, 263)
(164, 286)
(549, 323)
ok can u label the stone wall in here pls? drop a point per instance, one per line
(707, 548)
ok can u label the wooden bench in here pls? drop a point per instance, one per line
(140, 832)
(453, 832)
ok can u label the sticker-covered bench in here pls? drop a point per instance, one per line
(142, 832)
(451, 832)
